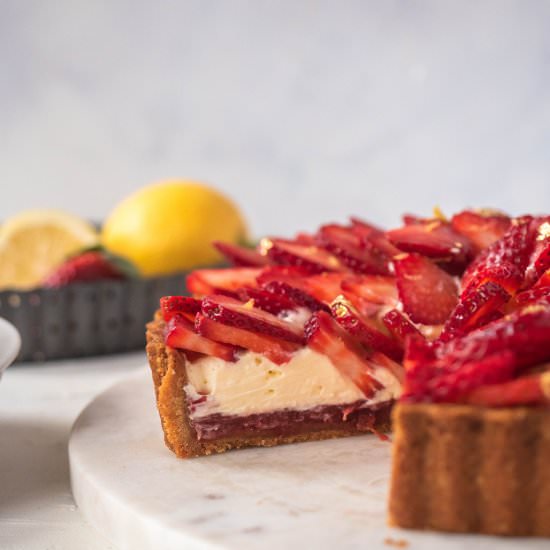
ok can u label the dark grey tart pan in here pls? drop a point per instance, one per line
(84, 319)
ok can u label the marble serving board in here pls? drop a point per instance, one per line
(319, 495)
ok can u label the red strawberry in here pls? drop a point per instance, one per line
(540, 259)
(400, 326)
(364, 330)
(298, 297)
(451, 385)
(373, 288)
(212, 281)
(505, 261)
(179, 305)
(241, 256)
(308, 257)
(527, 390)
(325, 336)
(428, 293)
(525, 332)
(544, 280)
(473, 309)
(351, 250)
(373, 238)
(278, 351)
(535, 295)
(180, 334)
(483, 227)
(434, 239)
(272, 303)
(89, 266)
(231, 312)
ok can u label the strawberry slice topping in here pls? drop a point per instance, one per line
(449, 385)
(211, 281)
(483, 227)
(297, 296)
(180, 334)
(400, 326)
(352, 251)
(327, 337)
(278, 351)
(532, 389)
(434, 239)
(538, 295)
(428, 293)
(364, 330)
(268, 301)
(241, 256)
(473, 309)
(373, 288)
(525, 332)
(505, 261)
(179, 305)
(229, 311)
(308, 257)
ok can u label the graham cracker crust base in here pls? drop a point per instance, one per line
(170, 377)
(468, 469)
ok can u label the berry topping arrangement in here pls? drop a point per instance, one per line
(458, 308)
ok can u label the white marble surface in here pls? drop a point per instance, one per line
(303, 111)
(38, 405)
(322, 495)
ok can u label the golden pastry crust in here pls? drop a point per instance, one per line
(471, 469)
(169, 377)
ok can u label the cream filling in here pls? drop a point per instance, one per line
(255, 385)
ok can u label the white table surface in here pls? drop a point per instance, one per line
(38, 405)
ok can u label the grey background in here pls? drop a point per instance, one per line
(303, 111)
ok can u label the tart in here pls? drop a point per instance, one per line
(320, 335)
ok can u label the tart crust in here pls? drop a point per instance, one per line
(169, 377)
(470, 469)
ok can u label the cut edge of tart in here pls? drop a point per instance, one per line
(194, 428)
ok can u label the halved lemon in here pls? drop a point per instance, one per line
(33, 243)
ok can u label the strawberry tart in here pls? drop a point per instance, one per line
(444, 321)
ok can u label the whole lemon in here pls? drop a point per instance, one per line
(169, 227)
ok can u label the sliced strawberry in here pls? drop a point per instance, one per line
(297, 296)
(364, 330)
(473, 309)
(505, 274)
(265, 300)
(434, 239)
(179, 305)
(351, 250)
(526, 390)
(428, 293)
(540, 258)
(373, 288)
(400, 326)
(311, 258)
(278, 351)
(241, 256)
(544, 280)
(234, 313)
(534, 295)
(180, 334)
(448, 385)
(505, 261)
(325, 336)
(525, 332)
(211, 281)
(483, 227)
(373, 238)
